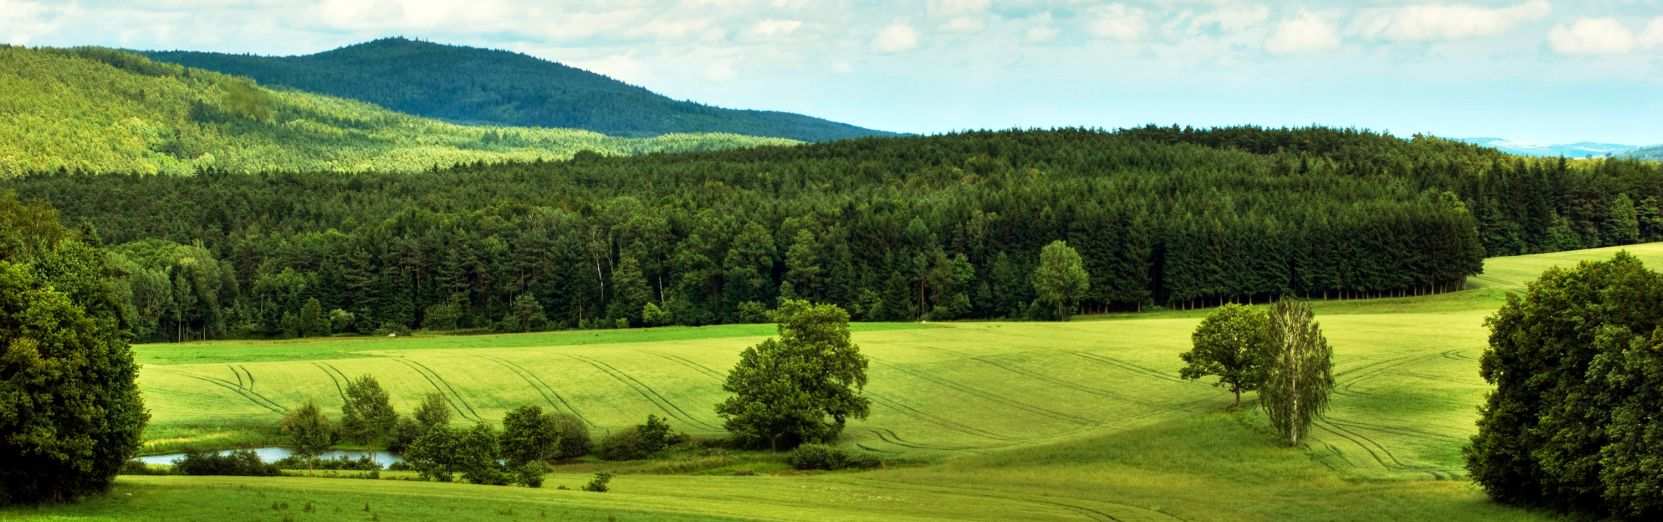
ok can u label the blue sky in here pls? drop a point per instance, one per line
(1540, 71)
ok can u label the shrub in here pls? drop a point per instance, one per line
(530, 474)
(362, 463)
(599, 484)
(367, 416)
(477, 456)
(529, 436)
(753, 312)
(653, 315)
(824, 457)
(434, 454)
(241, 462)
(138, 467)
(308, 430)
(573, 434)
(639, 442)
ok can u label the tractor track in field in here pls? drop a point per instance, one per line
(442, 386)
(1407, 432)
(553, 397)
(645, 391)
(1089, 390)
(1375, 370)
(890, 437)
(690, 364)
(335, 376)
(1129, 367)
(245, 390)
(972, 391)
(1363, 441)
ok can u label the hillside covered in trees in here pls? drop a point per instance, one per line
(99, 110)
(889, 228)
(467, 84)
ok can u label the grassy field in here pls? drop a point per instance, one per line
(1005, 420)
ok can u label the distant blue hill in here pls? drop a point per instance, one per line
(1570, 150)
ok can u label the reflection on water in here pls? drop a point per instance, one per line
(275, 454)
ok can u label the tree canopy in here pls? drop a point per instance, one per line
(798, 388)
(1298, 372)
(1232, 343)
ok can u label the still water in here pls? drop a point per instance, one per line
(275, 454)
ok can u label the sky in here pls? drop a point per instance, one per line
(1531, 71)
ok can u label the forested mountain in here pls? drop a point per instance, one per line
(466, 84)
(1651, 153)
(99, 110)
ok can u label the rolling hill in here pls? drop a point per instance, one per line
(100, 110)
(466, 84)
(1582, 149)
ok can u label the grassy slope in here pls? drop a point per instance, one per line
(1080, 420)
(106, 111)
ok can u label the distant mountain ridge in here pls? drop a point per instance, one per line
(1582, 149)
(474, 85)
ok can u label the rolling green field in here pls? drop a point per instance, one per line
(1084, 420)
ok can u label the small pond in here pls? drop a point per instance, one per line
(275, 454)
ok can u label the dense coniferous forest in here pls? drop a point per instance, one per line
(890, 228)
(100, 110)
(471, 85)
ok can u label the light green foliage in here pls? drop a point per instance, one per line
(802, 387)
(367, 414)
(308, 431)
(98, 110)
(1061, 279)
(526, 315)
(1298, 375)
(1232, 343)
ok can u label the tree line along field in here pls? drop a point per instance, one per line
(1044, 421)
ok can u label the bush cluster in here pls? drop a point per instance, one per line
(825, 457)
(241, 462)
(639, 442)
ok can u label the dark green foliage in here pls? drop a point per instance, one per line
(824, 457)
(573, 436)
(529, 436)
(890, 229)
(530, 474)
(436, 455)
(70, 411)
(481, 85)
(599, 484)
(309, 432)
(477, 453)
(638, 442)
(240, 462)
(434, 412)
(1232, 343)
(801, 387)
(1574, 422)
(367, 415)
(363, 463)
(1298, 372)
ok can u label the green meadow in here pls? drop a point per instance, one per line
(1084, 420)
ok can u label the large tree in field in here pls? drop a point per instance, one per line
(801, 387)
(1061, 278)
(1298, 372)
(1232, 343)
(70, 411)
(1575, 421)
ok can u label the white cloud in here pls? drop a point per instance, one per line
(20, 21)
(1587, 36)
(1654, 34)
(1231, 18)
(1039, 28)
(1304, 33)
(1117, 22)
(625, 67)
(957, 7)
(719, 71)
(1439, 22)
(776, 27)
(895, 38)
(964, 24)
